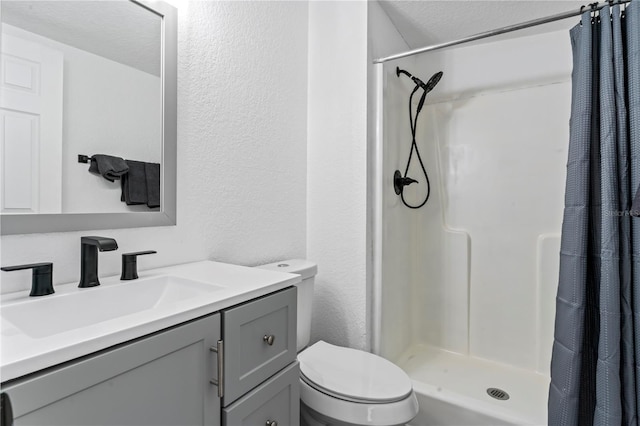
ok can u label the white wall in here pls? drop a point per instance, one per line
(337, 180)
(344, 38)
(485, 247)
(242, 126)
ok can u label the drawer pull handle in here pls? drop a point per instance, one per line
(269, 341)
(219, 349)
(271, 423)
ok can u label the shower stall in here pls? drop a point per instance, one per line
(464, 287)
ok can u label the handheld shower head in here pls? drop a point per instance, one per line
(433, 81)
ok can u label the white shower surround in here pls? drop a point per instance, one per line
(468, 282)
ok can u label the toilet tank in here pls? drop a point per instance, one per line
(308, 271)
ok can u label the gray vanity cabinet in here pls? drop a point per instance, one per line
(156, 380)
(235, 367)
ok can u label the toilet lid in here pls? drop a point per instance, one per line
(353, 374)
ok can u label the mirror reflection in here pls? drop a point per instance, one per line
(80, 78)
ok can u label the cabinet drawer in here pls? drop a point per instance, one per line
(259, 340)
(277, 400)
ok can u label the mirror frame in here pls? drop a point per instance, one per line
(11, 224)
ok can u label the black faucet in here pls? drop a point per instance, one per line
(41, 278)
(89, 247)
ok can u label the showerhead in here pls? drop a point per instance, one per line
(433, 81)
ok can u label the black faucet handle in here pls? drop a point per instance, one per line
(41, 278)
(130, 264)
(139, 253)
(39, 267)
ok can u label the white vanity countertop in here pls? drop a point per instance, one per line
(23, 352)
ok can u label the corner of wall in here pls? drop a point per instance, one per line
(337, 167)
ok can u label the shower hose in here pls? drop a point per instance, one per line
(413, 122)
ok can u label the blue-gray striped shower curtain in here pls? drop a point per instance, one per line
(595, 376)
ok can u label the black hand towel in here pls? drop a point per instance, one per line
(152, 173)
(110, 167)
(134, 184)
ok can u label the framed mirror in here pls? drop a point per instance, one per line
(87, 85)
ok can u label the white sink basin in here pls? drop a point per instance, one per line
(56, 314)
(41, 332)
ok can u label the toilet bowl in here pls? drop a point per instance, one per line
(343, 386)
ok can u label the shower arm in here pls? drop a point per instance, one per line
(416, 80)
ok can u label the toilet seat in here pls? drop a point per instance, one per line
(355, 386)
(353, 375)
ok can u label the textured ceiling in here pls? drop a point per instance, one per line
(133, 34)
(426, 22)
(118, 30)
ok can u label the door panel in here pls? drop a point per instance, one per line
(158, 380)
(19, 140)
(31, 87)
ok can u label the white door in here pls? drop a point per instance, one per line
(30, 127)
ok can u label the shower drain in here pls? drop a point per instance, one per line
(498, 394)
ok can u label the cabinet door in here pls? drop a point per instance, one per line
(259, 340)
(275, 402)
(162, 379)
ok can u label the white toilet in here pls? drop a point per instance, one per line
(343, 386)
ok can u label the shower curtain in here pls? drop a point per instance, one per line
(595, 375)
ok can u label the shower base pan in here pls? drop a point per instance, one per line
(455, 390)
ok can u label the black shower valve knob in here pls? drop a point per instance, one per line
(400, 182)
(408, 181)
